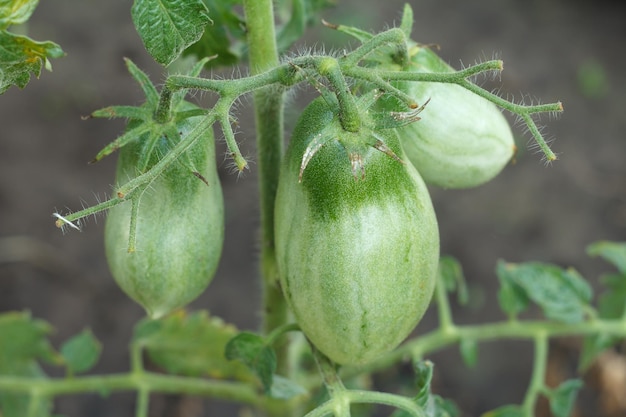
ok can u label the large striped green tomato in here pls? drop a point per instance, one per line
(179, 231)
(462, 140)
(357, 257)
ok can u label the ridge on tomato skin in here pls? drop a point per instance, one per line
(463, 140)
(179, 229)
(357, 255)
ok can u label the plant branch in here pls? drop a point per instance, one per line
(268, 105)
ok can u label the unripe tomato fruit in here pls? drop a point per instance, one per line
(357, 257)
(179, 233)
(462, 140)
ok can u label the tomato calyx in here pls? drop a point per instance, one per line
(356, 144)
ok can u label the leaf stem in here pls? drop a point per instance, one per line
(538, 375)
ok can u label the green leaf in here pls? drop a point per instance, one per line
(14, 12)
(593, 346)
(563, 397)
(469, 352)
(23, 341)
(167, 27)
(613, 252)
(224, 38)
(506, 411)
(285, 389)
(611, 306)
(432, 405)
(451, 274)
(20, 56)
(252, 350)
(562, 294)
(81, 352)
(191, 345)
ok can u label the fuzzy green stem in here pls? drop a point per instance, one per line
(268, 103)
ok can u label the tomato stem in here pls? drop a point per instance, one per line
(263, 55)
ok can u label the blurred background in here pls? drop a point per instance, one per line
(572, 51)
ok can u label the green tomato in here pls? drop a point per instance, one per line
(357, 257)
(179, 229)
(462, 140)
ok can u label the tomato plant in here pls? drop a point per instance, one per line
(349, 242)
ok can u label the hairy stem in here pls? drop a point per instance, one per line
(268, 103)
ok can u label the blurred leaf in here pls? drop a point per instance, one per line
(563, 397)
(613, 252)
(562, 294)
(167, 27)
(15, 12)
(451, 274)
(512, 299)
(469, 352)
(593, 346)
(251, 349)
(23, 341)
(612, 302)
(294, 29)
(224, 36)
(81, 352)
(506, 411)
(611, 306)
(191, 345)
(285, 389)
(21, 56)
(432, 405)
(592, 79)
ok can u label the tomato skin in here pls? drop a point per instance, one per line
(179, 233)
(462, 139)
(357, 258)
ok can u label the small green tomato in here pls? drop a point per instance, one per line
(463, 140)
(179, 229)
(357, 241)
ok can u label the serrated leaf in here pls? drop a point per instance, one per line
(224, 37)
(251, 349)
(81, 352)
(14, 12)
(469, 352)
(21, 56)
(506, 411)
(561, 293)
(562, 398)
(613, 252)
(167, 27)
(191, 345)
